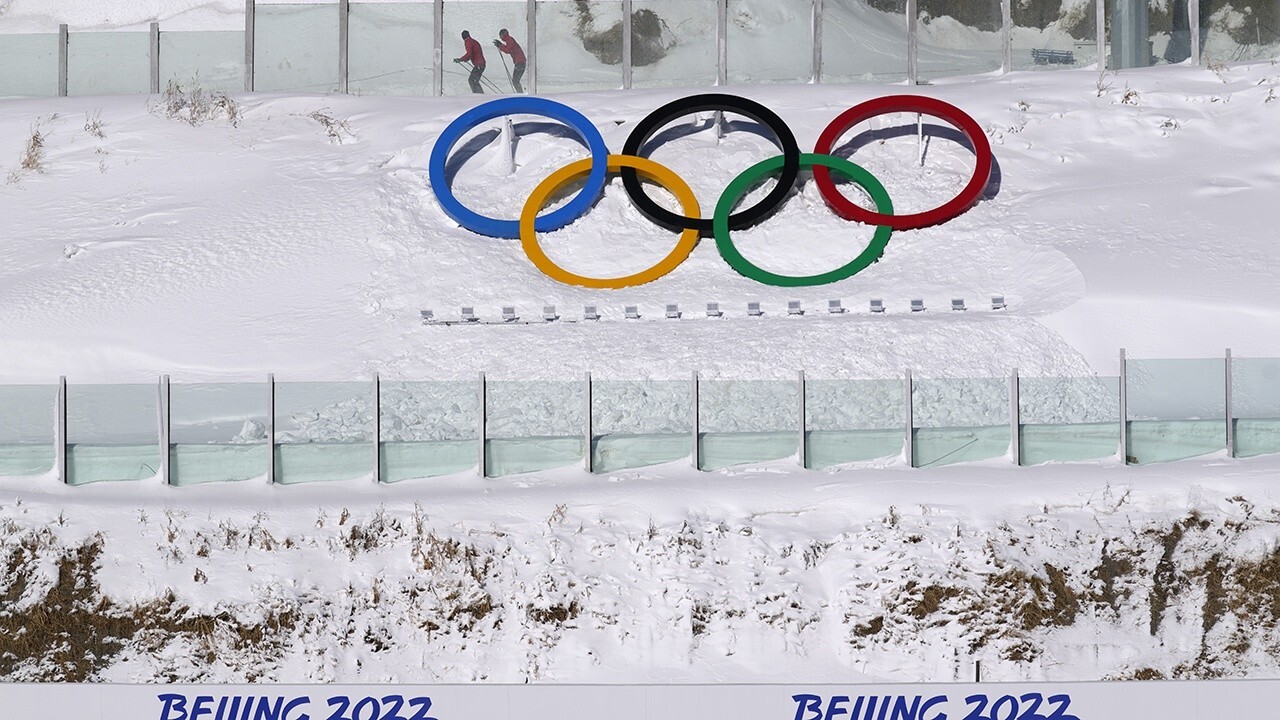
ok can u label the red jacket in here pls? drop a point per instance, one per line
(474, 54)
(512, 48)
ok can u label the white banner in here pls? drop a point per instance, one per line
(1209, 700)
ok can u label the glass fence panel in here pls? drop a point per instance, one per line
(861, 43)
(1054, 38)
(324, 431)
(770, 41)
(295, 48)
(854, 420)
(1068, 419)
(673, 43)
(113, 433)
(1255, 405)
(27, 419)
(30, 64)
(482, 20)
(639, 423)
(108, 63)
(391, 49)
(1143, 34)
(1239, 30)
(1177, 409)
(217, 432)
(958, 38)
(747, 421)
(428, 428)
(532, 425)
(579, 46)
(960, 420)
(212, 60)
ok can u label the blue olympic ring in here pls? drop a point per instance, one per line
(554, 220)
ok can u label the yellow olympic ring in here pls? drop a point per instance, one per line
(645, 167)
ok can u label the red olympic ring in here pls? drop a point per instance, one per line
(968, 197)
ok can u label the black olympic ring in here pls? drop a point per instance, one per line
(699, 103)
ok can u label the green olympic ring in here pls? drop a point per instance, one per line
(752, 175)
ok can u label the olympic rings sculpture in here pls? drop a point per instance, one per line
(632, 165)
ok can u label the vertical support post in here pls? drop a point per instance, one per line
(271, 429)
(693, 422)
(910, 443)
(62, 60)
(804, 445)
(344, 43)
(162, 408)
(817, 41)
(1193, 21)
(531, 44)
(509, 140)
(588, 461)
(377, 429)
(920, 137)
(722, 50)
(1006, 36)
(155, 58)
(249, 7)
(913, 69)
(1015, 418)
(626, 44)
(437, 44)
(483, 430)
(1231, 423)
(1124, 408)
(60, 432)
(1100, 22)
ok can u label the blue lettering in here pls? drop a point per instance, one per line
(871, 707)
(201, 706)
(804, 703)
(288, 709)
(884, 709)
(266, 711)
(942, 715)
(175, 706)
(856, 712)
(902, 712)
(833, 706)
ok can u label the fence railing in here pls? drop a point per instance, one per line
(295, 432)
(406, 48)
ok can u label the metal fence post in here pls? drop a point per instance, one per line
(531, 44)
(626, 44)
(911, 422)
(437, 44)
(722, 51)
(1015, 418)
(482, 430)
(1124, 408)
(60, 432)
(1100, 22)
(344, 46)
(693, 421)
(804, 445)
(62, 60)
(588, 461)
(1193, 12)
(1231, 423)
(271, 429)
(377, 429)
(913, 71)
(817, 41)
(155, 58)
(1006, 36)
(162, 408)
(249, 22)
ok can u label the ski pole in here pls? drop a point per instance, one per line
(507, 70)
(485, 80)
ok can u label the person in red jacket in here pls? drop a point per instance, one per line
(475, 56)
(508, 45)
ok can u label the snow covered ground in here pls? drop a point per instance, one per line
(1132, 210)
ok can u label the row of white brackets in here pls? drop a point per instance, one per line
(632, 312)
